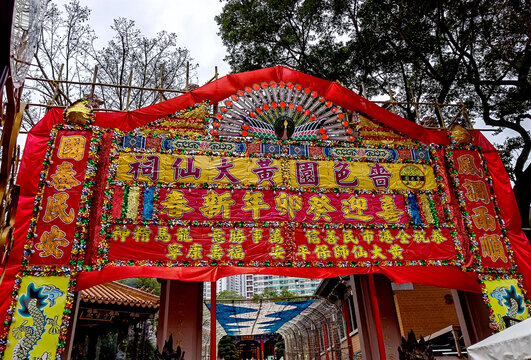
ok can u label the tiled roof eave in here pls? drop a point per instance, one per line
(119, 294)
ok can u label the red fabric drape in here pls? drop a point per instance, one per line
(37, 143)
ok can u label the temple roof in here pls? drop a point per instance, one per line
(119, 294)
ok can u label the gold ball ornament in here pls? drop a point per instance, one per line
(79, 113)
(461, 135)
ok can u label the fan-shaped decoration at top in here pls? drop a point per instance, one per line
(278, 110)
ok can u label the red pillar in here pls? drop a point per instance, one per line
(180, 314)
(377, 320)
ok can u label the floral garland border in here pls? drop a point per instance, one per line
(78, 246)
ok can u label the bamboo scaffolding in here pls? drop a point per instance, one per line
(160, 90)
(129, 90)
(56, 87)
(93, 86)
(108, 85)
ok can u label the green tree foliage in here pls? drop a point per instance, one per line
(147, 284)
(279, 347)
(228, 295)
(271, 294)
(227, 348)
(475, 51)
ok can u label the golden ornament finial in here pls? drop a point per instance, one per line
(79, 113)
(461, 135)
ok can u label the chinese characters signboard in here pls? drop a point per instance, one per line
(262, 206)
(273, 209)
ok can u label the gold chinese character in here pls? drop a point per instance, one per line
(175, 204)
(476, 190)
(275, 236)
(420, 236)
(353, 208)
(492, 247)
(437, 237)
(377, 253)
(386, 237)
(56, 207)
(312, 236)
(63, 178)
(174, 250)
(236, 252)
(482, 219)
(216, 252)
(359, 252)
(303, 251)
(403, 237)
(237, 236)
(216, 204)
(389, 211)
(50, 242)
(162, 234)
(277, 252)
(120, 233)
(254, 202)
(320, 207)
(195, 252)
(218, 236)
(340, 251)
(257, 235)
(322, 252)
(467, 166)
(183, 234)
(72, 147)
(348, 237)
(367, 236)
(141, 234)
(331, 237)
(288, 204)
(396, 251)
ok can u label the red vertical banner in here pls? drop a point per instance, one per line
(60, 197)
(477, 201)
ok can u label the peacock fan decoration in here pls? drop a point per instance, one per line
(284, 111)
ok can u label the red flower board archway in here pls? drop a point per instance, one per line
(350, 188)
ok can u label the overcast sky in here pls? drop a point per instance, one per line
(192, 21)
